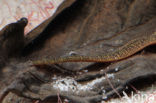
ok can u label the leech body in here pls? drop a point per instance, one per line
(123, 52)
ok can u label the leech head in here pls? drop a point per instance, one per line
(23, 21)
(14, 29)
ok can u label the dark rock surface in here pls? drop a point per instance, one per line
(87, 27)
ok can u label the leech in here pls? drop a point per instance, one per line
(123, 52)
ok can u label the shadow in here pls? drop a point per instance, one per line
(58, 24)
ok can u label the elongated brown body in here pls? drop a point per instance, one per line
(123, 52)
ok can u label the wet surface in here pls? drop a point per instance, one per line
(85, 28)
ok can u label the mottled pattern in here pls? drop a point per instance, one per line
(125, 51)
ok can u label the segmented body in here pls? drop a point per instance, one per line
(123, 52)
